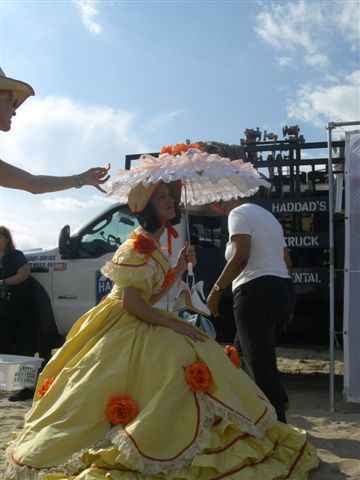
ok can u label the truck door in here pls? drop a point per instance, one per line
(80, 285)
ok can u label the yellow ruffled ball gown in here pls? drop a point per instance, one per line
(228, 432)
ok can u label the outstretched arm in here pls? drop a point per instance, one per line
(13, 177)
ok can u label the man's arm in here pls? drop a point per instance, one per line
(241, 245)
(13, 177)
(287, 260)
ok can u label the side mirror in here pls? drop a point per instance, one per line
(65, 244)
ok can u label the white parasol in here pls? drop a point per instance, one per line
(206, 178)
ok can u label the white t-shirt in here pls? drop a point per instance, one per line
(267, 242)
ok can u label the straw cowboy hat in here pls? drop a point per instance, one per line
(20, 89)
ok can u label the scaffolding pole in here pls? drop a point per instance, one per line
(331, 126)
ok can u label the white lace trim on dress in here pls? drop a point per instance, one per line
(209, 410)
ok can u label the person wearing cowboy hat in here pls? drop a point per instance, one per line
(13, 93)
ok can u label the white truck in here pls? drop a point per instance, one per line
(71, 273)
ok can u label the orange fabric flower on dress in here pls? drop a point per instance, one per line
(169, 279)
(198, 377)
(233, 354)
(121, 409)
(143, 244)
(45, 386)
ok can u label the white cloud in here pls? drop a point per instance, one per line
(285, 61)
(58, 136)
(28, 231)
(348, 20)
(22, 234)
(321, 104)
(88, 13)
(162, 119)
(290, 27)
(72, 204)
(316, 59)
(36, 221)
(307, 27)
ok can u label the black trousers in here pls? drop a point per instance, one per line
(17, 328)
(260, 305)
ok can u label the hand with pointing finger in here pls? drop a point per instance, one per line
(95, 177)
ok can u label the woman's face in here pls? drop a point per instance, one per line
(7, 110)
(3, 243)
(164, 203)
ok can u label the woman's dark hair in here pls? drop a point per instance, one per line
(150, 221)
(5, 232)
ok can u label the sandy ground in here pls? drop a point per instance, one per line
(336, 435)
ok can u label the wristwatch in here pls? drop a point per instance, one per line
(217, 288)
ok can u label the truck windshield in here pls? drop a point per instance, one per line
(107, 234)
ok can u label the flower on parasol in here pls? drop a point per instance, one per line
(179, 148)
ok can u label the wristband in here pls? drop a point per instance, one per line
(77, 181)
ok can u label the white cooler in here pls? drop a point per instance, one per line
(17, 372)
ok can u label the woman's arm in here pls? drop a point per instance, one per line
(239, 258)
(13, 177)
(134, 304)
(158, 296)
(20, 276)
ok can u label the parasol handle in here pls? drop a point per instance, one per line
(190, 267)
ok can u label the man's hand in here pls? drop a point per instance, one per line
(213, 301)
(95, 177)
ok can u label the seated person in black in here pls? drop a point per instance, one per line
(18, 329)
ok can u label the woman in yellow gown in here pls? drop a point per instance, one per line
(137, 394)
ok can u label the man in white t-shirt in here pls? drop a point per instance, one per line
(258, 267)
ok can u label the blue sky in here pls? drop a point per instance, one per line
(117, 77)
